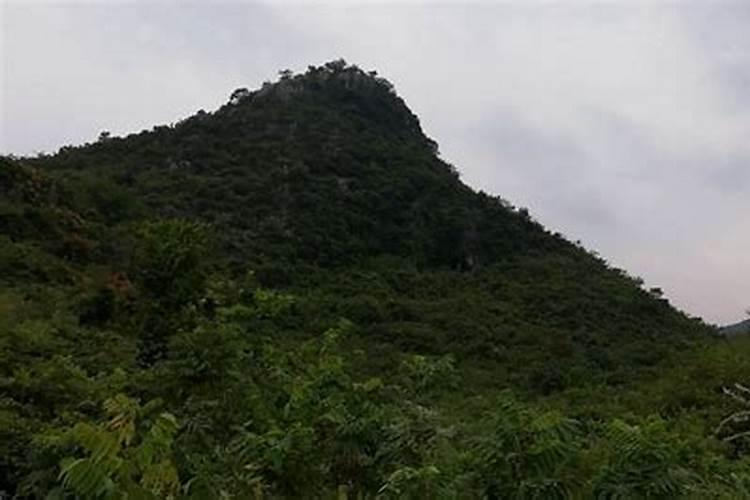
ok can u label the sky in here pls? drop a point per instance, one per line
(622, 124)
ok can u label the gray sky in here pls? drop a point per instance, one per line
(624, 125)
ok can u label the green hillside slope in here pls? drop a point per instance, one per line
(329, 170)
(328, 167)
(294, 296)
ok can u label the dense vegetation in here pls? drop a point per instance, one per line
(294, 296)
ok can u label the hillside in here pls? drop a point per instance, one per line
(295, 294)
(329, 167)
(329, 170)
(739, 328)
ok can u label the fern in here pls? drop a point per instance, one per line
(644, 463)
(412, 482)
(130, 455)
(527, 454)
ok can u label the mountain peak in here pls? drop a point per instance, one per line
(338, 87)
(328, 166)
(336, 74)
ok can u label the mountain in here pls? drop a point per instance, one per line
(739, 328)
(330, 170)
(296, 293)
(328, 167)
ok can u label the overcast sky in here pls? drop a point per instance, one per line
(621, 124)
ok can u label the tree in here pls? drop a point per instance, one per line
(238, 95)
(171, 266)
(171, 260)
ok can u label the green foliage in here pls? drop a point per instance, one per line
(171, 267)
(130, 456)
(527, 455)
(196, 265)
(170, 261)
(411, 482)
(734, 428)
(645, 462)
(325, 412)
(425, 374)
(271, 304)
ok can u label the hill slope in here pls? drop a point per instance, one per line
(739, 328)
(164, 296)
(330, 169)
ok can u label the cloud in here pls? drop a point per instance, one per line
(621, 124)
